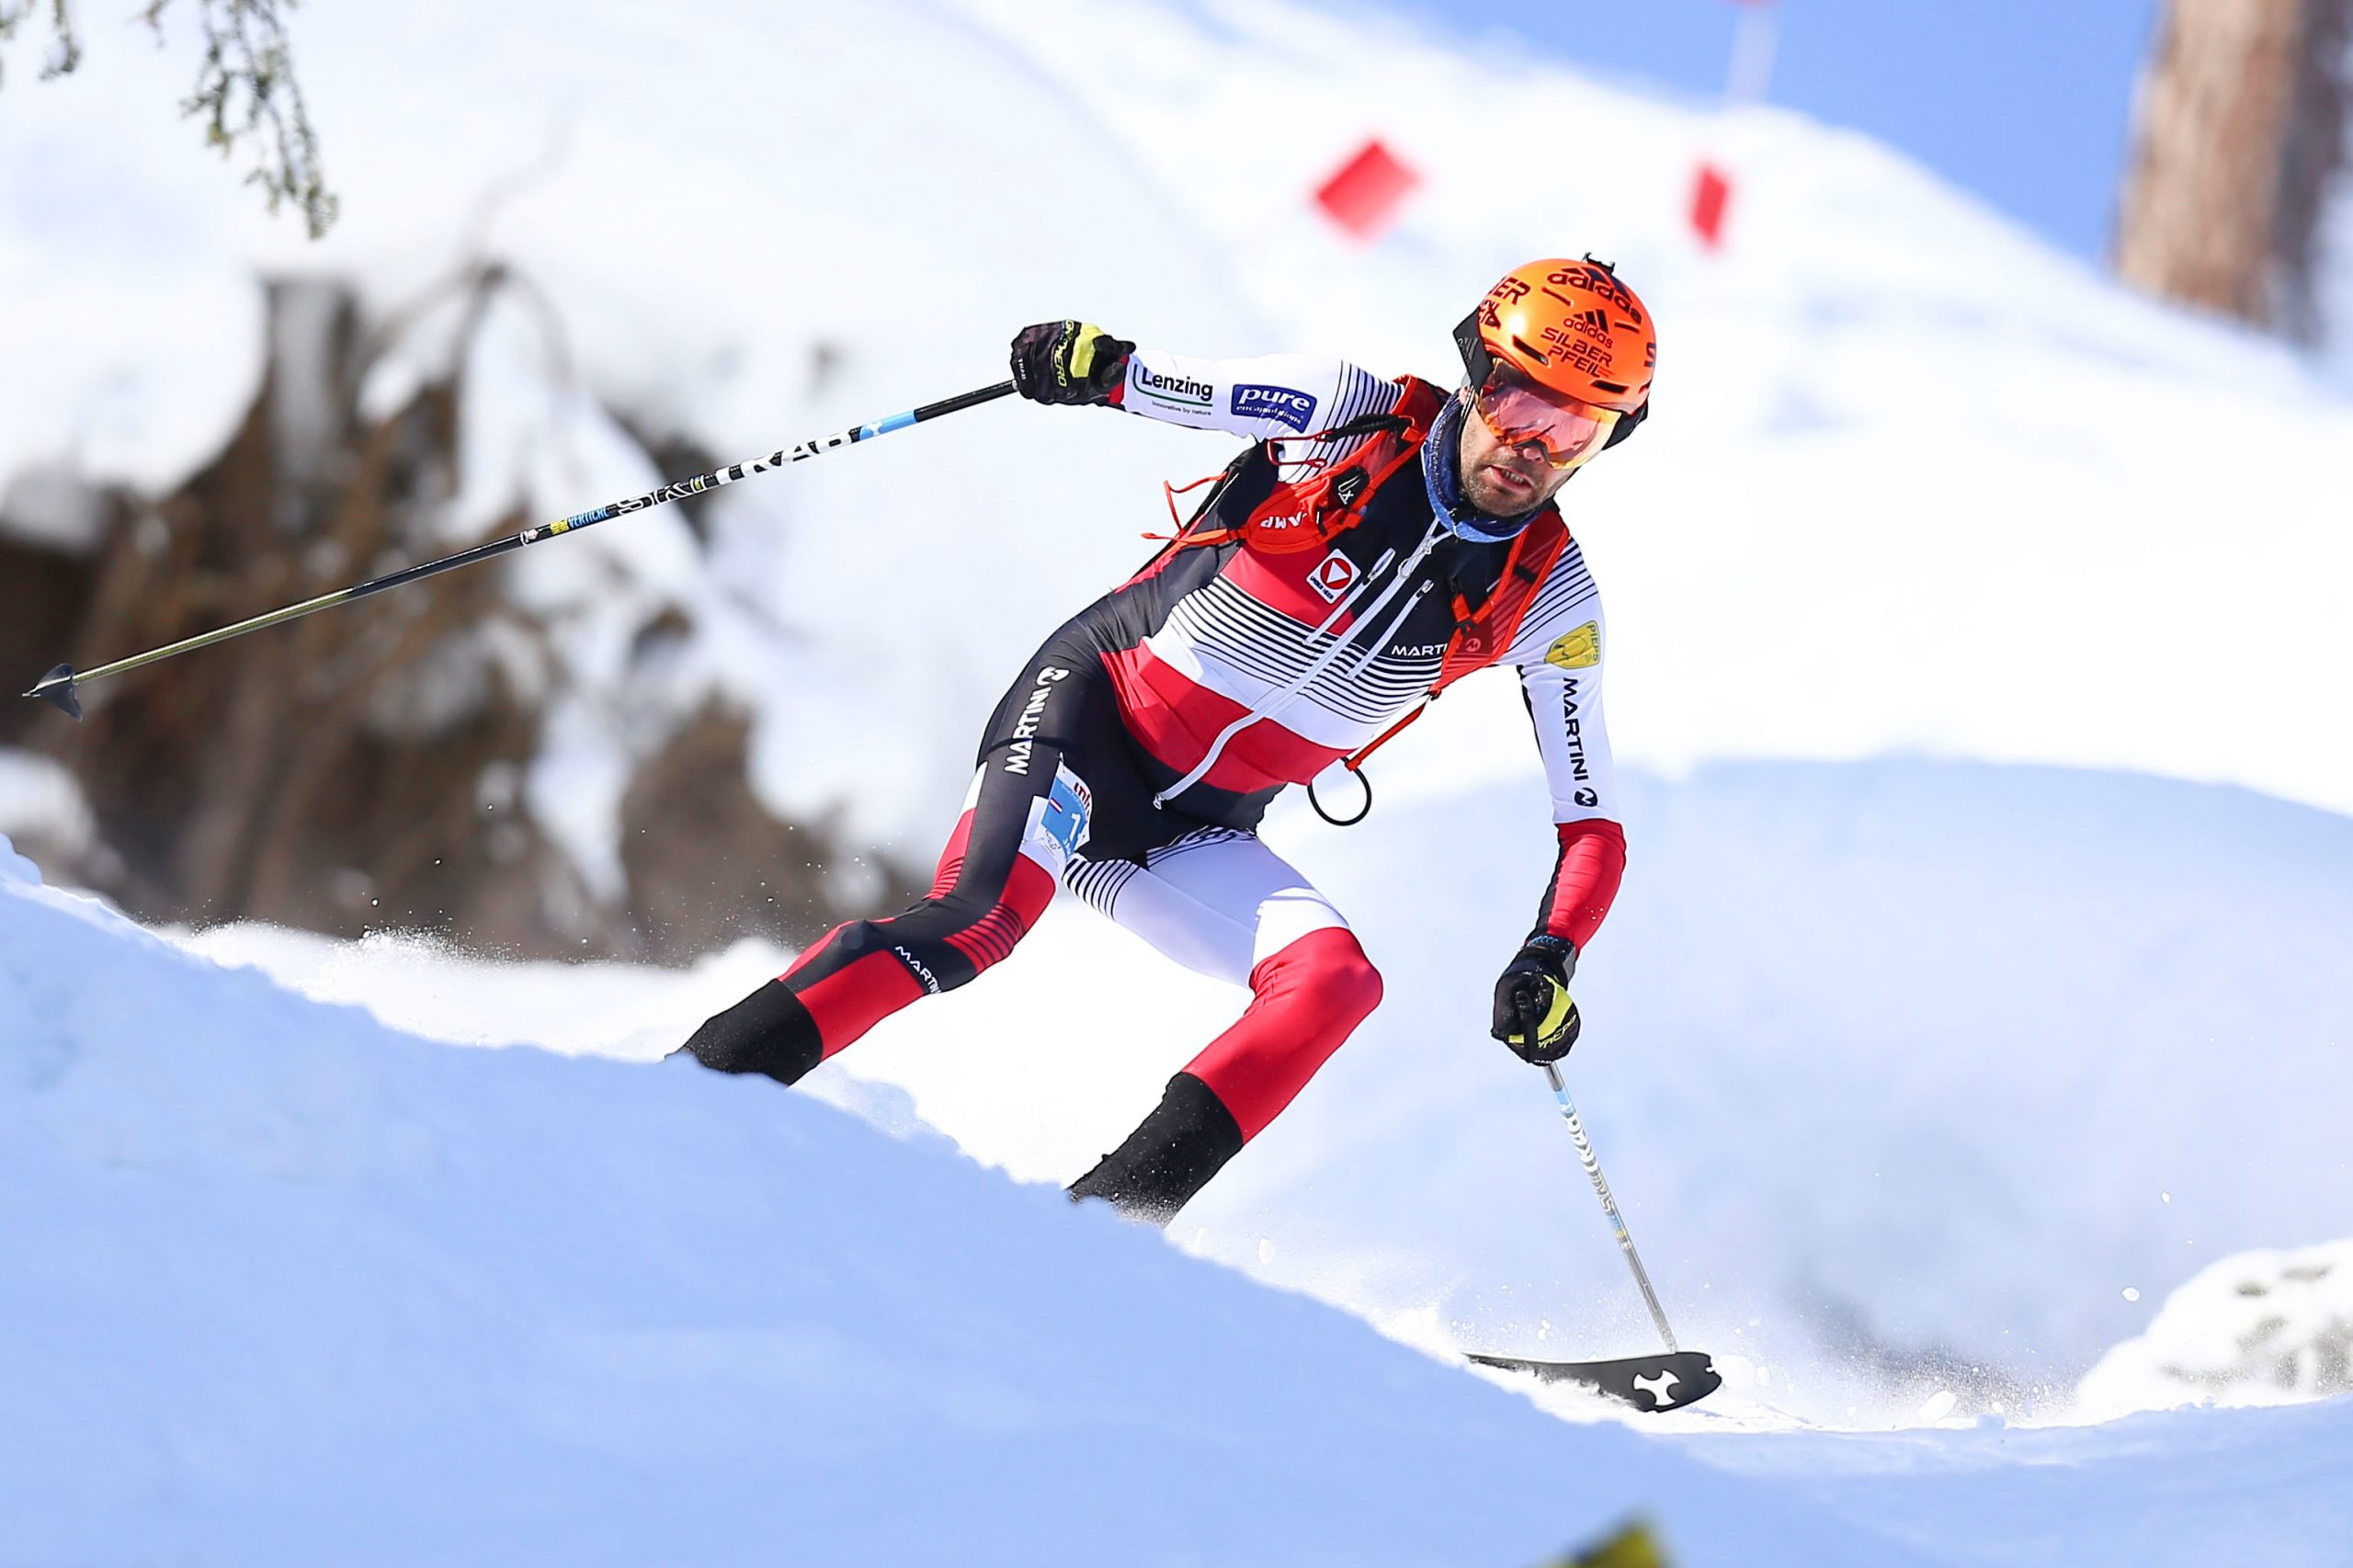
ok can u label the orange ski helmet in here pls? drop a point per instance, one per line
(1569, 327)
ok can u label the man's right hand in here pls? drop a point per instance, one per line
(1069, 363)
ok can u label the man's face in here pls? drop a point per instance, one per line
(1501, 481)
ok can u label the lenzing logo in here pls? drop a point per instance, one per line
(1173, 389)
(1281, 404)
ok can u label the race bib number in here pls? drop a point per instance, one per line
(1059, 822)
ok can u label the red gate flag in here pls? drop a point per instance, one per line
(1364, 193)
(1710, 192)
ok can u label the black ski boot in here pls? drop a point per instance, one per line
(768, 1031)
(1185, 1141)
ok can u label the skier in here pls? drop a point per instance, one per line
(1378, 541)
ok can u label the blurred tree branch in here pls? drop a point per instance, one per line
(246, 92)
(67, 53)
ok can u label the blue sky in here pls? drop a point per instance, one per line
(2025, 103)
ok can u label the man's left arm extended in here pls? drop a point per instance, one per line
(1282, 398)
(1562, 681)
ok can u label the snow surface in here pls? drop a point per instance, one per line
(1903, 1073)
(284, 1285)
(2272, 1327)
(2178, 1488)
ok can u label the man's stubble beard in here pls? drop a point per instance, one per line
(1480, 492)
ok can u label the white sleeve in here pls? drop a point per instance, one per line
(1273, 398)
(1559, 652)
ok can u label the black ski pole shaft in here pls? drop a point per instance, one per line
(1608, 1204)
(59, 685)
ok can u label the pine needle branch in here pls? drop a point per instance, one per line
(65, 51)
(246, 95)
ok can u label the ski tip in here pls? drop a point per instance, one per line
(56, 688)
(1649, 1383)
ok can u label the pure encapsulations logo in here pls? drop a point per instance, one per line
(1284, 405)
(1173, 389)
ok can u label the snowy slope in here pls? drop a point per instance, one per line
(281, 1284)
(1905, 1073)
(2177, 1490)
(2271, 1327)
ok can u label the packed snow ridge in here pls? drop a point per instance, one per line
(1914, 1078)
(282, 1284)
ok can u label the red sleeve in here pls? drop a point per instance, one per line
(1585, 879)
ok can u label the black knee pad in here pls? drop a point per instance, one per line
(768, 1031)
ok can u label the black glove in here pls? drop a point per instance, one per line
(1535, 984)
(1069, 363)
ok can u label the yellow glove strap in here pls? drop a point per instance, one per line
(1559, 1011)
(1078, 363)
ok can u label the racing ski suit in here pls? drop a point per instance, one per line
(1314, 602)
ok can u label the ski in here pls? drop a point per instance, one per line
(1666, 1382)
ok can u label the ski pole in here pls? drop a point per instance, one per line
(1601, 1186)
(58, 686)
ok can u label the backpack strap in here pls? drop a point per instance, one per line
(1291, 514)
(1480, 638)
(1482, 635)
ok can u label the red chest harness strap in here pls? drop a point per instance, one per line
(1481, 636)
(1329, 495)
(1311, 511)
